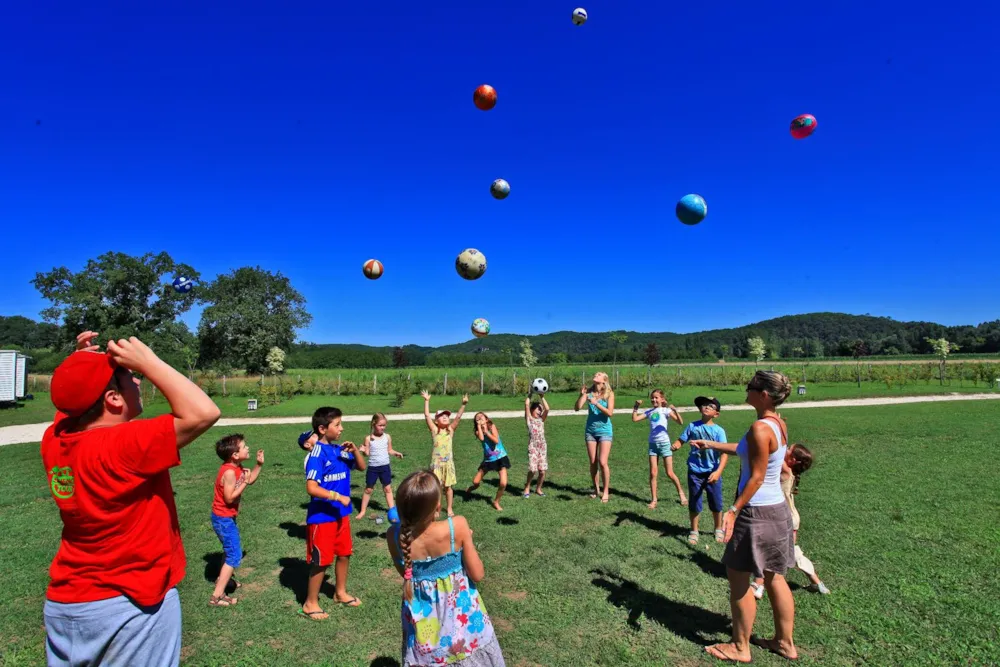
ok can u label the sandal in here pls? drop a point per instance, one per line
(693, 537)
(527, 495)
(353, 602)
(311, 615)
(720, 535)
(222, 601)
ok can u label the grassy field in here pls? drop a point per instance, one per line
(40, 409)
(908, 547)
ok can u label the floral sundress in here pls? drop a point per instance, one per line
(442, 458)
(446, 622)
(538, 457)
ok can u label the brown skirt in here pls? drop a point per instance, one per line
(762, 541)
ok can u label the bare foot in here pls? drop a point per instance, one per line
(786, 651)
(604, 499)
(361, 515)
(451, 513)
(652, 505)
(539, 492)
(497, 507)
(728, 653)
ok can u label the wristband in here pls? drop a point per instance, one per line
(734, 510)
(333, 496)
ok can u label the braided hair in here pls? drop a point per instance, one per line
(802, 460)
(417, 501)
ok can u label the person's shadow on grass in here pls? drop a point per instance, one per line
(294, 576)
(665, 528)
(697, 625)
(213, 566)
(707, 564)
(293, 529)
(383, 661)
(586, 493)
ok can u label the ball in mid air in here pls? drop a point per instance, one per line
(183, 284)
(373, 269)
(485, 97)
(803, 126)
(480, 327)
(539, 386)
(691, 209)
(500, 189)
(579, 16)
(470, 264)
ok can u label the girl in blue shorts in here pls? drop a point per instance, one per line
(600, 401)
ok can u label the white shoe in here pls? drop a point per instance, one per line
(758, 589)
(819, 588)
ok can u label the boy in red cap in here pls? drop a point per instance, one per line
(111, 593)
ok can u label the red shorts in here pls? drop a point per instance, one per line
(324, 541)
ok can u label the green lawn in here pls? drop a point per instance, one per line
(907, 544)
(40, 409)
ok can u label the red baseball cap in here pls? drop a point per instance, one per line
(80, 380)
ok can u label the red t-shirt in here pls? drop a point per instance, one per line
(120, 530)
(219, 506)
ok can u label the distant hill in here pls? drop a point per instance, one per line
(793, 336)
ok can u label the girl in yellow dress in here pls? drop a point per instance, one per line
(442, 429)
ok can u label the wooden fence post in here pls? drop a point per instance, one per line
(338, 384)
(514, 388)
(375, 383)
(223, 385)
(481, 382)
(446, 384)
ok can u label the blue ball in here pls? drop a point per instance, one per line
(393, 515)
(691, 209)
(183, 285)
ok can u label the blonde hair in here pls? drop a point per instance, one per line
(607, 391)
(417, 501)
(772, 383)
(376, 418)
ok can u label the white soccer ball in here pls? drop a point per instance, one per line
(470, 264)
(579, 16)
(539, 386)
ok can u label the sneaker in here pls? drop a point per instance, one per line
(758, 589)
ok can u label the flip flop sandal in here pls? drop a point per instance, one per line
(221, 601)
(527, 495)
(720, 535)
(693, 537)
(350, 603)
(311, 615)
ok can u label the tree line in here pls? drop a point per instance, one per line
(249, 312)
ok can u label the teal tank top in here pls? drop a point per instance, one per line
(598, 423)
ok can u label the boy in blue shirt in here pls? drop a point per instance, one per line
(705, 466)
(328, 523)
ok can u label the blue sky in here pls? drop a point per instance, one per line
(307, 137)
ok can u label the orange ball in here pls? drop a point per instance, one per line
(485, 97)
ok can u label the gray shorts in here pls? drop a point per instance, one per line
(113, 632)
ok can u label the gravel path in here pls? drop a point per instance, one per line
(13, 435)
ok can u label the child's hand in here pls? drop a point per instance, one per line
(344, 500)
(426, 396)
(592, 399)
(260, 457)
(638, 403)
(399, 454)
(674, 447)
(583, 391)
(350, 447)
(85, 342)
(465, 399)
(714, 477)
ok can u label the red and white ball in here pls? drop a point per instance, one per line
(373, 269)
(485, 97)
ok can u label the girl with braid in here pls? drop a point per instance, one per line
(444, 619)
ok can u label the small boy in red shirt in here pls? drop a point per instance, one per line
(111, 594)
(230, 483)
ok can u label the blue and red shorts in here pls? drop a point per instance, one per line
(326, 541)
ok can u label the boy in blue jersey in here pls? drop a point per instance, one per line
(328, 523)
(704, 466)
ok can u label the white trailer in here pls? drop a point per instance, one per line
(8, 375)
(21, 376)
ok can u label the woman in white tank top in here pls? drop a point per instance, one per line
(758, 526)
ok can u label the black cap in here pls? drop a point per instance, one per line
(708, 400)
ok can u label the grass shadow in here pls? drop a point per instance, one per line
(213, 566)
(665, 528)
(294, 576)
(697, 625)
(563, 496)
(507, 521)
(383, 661)
(586, 493)
(293, 529)
(369, 534)
(705, 563)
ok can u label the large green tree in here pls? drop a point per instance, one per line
(248, 311)
(120, 295)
